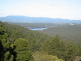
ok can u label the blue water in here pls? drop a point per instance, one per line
(37, 28)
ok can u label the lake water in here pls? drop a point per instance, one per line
(37, 28)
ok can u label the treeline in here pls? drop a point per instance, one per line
(20, 44)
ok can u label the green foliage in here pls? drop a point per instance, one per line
(35, 46)
(12, 46)
(21, 44)
(22, 50)
(6, 56)
(4, 45)
(56, 47)
(17, 43)
(71, 51)
(11, 59)
(1, 31)
(42, 56)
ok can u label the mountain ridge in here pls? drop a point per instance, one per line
(27, 19)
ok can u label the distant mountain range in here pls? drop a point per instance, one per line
(26, 19)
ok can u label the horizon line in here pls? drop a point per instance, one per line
(39, 17)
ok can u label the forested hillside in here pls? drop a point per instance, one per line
(20, 44)
(69, 32)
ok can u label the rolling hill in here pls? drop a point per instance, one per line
(70, 32)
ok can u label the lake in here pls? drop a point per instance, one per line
(37, 28)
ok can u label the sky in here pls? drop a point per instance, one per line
(65, 9)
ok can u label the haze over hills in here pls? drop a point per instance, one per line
(26, 19)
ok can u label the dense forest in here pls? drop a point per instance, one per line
(20, 44)
(69, 32)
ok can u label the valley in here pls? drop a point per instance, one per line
(66, 31)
